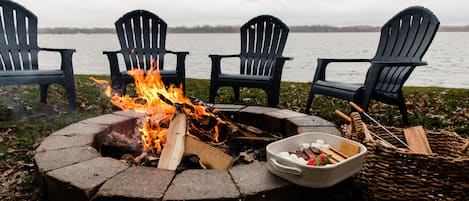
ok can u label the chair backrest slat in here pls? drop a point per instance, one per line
(18, 38)
(262, 39)
(146, 39)
(142, 37)
(263, 65)
(405, 37)
(258, 42)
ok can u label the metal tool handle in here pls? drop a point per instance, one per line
(360, 110)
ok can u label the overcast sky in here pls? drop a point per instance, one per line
(103, 13)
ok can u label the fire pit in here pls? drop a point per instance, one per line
(69, 167)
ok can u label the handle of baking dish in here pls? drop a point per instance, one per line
(284, 168)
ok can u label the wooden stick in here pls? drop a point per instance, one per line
(344, 116)
(174, 148)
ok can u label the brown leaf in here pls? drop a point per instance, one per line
(10, 150)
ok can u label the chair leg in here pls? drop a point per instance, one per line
(71, 95)
(119, 88)
(212, 93)
(309, 102)
(273, 99)
(43, 92)
(403, 110)
(236, 93)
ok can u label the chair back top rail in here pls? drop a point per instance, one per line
(18, 38)
(263, 38)
(405, 37)
(141, 30)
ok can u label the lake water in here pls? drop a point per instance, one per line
(448, 56)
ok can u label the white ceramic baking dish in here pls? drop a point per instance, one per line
(312, 176)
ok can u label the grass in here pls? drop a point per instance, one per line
(24, 122)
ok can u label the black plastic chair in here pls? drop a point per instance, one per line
(263, 39)
(19, 54)
(142, 37)
(403, 42)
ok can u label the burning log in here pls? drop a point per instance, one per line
(210, 157)
(172, 153)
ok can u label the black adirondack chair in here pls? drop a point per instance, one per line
(263, 39)
(403, 42)
(19, 54)
(142, 37)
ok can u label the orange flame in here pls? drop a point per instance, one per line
(158, 102)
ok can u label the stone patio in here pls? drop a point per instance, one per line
(70, 167)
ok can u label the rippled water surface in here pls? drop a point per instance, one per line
(448, 56)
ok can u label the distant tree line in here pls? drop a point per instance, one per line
(235, 29)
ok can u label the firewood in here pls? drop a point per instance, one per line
(173, 150)
(417, 140)
(209, 156)
(250, 131)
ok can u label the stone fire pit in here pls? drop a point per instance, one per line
(69, 167)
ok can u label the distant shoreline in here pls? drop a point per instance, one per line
(235, 29)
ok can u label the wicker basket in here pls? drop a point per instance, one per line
(394, 173)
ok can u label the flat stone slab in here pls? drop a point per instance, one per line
(284, 114)
(258, 109)
(202, 185)
(330, 130)
(130, 113)
(136, 182)
(310, 121)
(81, 181)
(118, 123)
(50, 160)
(65, 141)
(255, 178)
(79, 129)
(229, 107)
(275, 121)
(292, 124)
(106, 119)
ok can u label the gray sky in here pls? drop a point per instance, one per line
(103, 13)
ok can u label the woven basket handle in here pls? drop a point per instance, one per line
(464, 147)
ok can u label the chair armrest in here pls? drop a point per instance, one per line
(180, 65)
(328, 60)
(66, 64)
(400, 63)
(57, 49)
(277, 74)
(285, 58)
(177, 52)
(113, 63)
(216, 63)
(111, 52)
(323, 62)
(223, 56)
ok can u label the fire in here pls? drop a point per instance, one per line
(159, 103)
